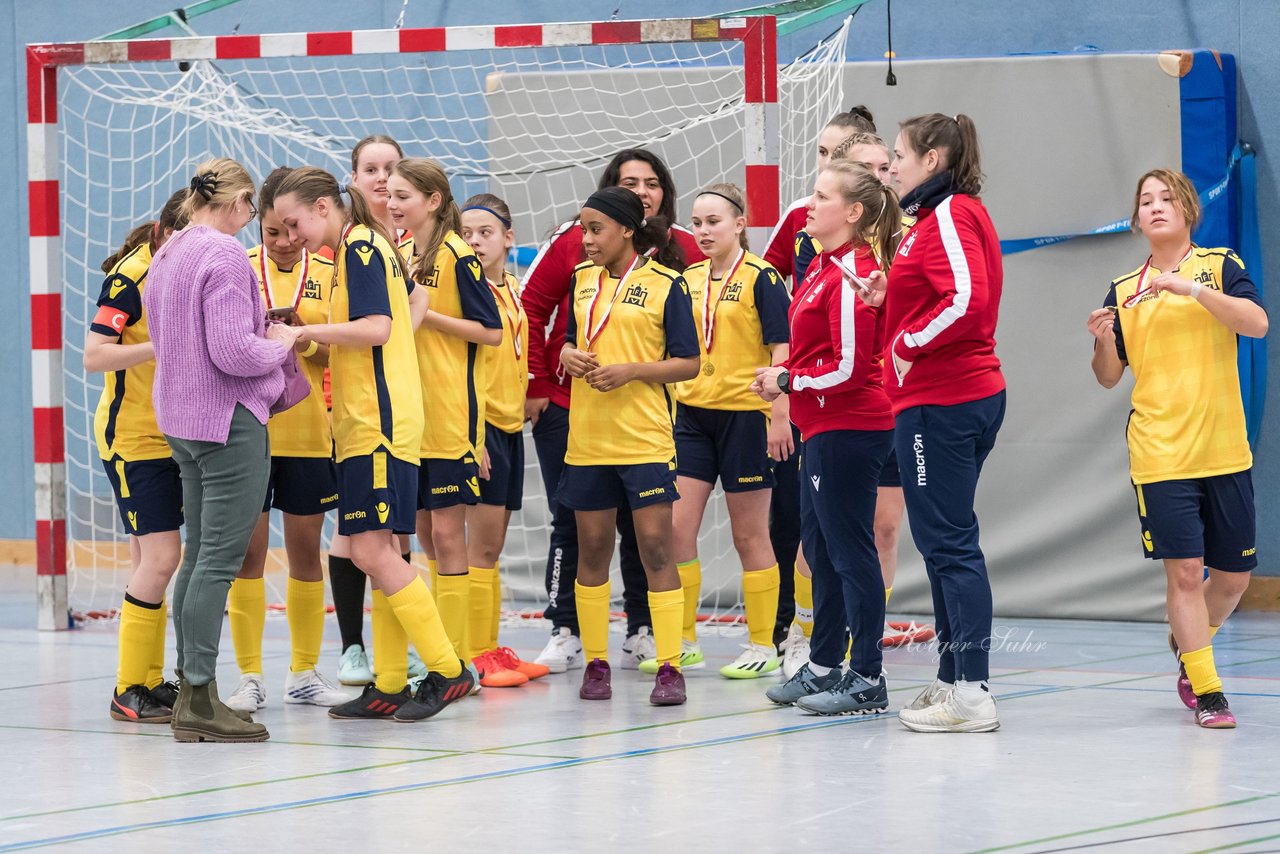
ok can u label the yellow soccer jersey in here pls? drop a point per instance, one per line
(377, 397)
(507, 366)
(124, 423)
(1188, 417)
(303, 430)
(647, 320)
(452, 371)
(748, 313)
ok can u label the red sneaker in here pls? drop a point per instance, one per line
(511, 661)
(495, 674)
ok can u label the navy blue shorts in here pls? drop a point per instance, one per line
(302, 486)
(376, 492)
(609, 487)
(505, 486)
(730, 444)
(148, 494)
(890, 474)
(448, 483)
(1209, 517)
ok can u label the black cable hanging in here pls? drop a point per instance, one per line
(889, 79)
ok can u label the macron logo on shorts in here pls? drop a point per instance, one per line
(918, 446)
(817, 480)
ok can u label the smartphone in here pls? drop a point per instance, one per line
(846, 266)
(288, 314)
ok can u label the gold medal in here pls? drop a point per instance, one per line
(708, 369)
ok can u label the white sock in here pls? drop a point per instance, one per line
(972, 691)
(818, 669)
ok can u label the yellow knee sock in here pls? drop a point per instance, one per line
(419, 618)
(155, 675)
(390, 647)
(453, 598)
(760, 595)
(247, 610)
(304, 606)
(888, 591)
(1200, 670)
(691, 583)
(666, 609)
(482, 584)
(433, 569)
(496, 602)
(137, 642)
(593, 620)
(804, 603)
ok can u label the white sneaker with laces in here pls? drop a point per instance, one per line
(562, 652)
(638, 648)
(970, 710)
(795, 651)
(310, 687)
(354, 667)
(937, 692)
(754, 662)
(249, 696)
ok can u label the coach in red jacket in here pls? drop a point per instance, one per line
(948, 396)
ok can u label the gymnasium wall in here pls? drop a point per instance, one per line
(1064, 167)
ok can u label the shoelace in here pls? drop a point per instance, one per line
(507, 657)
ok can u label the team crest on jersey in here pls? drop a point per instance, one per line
(311, 290)
(733, 293)
(906, 245)
(431, 280)
(636, 295)
(1206, 278)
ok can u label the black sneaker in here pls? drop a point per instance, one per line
(436, 692)
(136, 705)
(166, 694)
(372, 704)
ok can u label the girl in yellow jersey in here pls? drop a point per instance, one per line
(630, 333)
(140, 467)
(486, 226)
(723, 429)
(1174, 321)
(377, 427)
(462, 318)
(303, 486)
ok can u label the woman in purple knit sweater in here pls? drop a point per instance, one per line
(218, 371)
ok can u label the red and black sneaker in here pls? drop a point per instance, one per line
(436, 692)
(136, 705)
(166, 694)
(372, 704)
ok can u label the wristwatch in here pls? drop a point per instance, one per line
(784, 381)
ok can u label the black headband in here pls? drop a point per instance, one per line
(502, 219)
(728, 199)
(611, 205)
(205, 185)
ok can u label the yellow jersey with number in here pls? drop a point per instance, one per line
(124, 424)
(649, 319)
(749, 313)
(377, 396)
(303, 430)
(1188, 415)
(507, 366)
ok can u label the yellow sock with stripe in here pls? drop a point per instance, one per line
(390, 647)
(593, 620)
(433, 569)
(760, 596)
(888, 591)
(418, 617)
(1213, 631)
(156, 674)
(453, 598)
(304, 606)
(691, 583)
(1201, 671)
(804, 604)
(482, 584)
(247, 613)
(666, 610)
(137, 642)
(496, 602)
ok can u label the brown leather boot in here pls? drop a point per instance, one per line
(244, 716)
(200, 716)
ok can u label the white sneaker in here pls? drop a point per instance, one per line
(249, 696)
(795, 651)
(754, 662)
(311, 687)
(937, 692)
(562, 652)
(354, 667)
(638, 648)
(961, 711)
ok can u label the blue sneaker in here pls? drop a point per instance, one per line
(805, 683)
(852, 695)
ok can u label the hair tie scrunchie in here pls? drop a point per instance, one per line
(205, 185)
(344, 188)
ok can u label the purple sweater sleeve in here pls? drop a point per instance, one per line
(230, 305)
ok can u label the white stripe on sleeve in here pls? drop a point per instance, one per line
(959, 273)
(848, 347)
